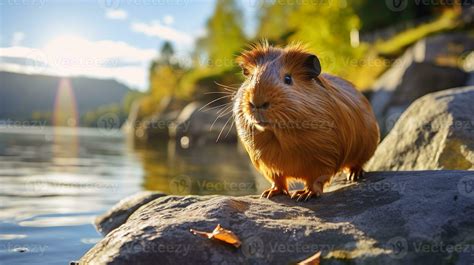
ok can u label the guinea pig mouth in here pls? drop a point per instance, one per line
(260, 120)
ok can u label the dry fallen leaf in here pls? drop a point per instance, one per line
(313, 260)
(220, 234)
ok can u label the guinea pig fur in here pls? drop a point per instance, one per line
(297, 123)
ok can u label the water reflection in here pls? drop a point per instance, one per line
(54, 182)
(209, 169)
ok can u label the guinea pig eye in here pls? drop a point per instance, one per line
(287, 79)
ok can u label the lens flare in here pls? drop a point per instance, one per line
(65, 122)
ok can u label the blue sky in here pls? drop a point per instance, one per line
(100, 38)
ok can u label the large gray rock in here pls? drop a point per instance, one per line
(432, 64)
(424, 217)
(197, 125)
(420, 79)
(435, 132)
(117, 215)
(154, 127)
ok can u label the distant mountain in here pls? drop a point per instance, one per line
(21, 95)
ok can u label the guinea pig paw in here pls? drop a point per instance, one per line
(355, 175)
(272, 192)
(304, 195)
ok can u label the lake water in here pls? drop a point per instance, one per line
(55, 181)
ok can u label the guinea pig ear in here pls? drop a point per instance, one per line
(313, 65)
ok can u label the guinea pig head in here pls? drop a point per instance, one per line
(278, 89)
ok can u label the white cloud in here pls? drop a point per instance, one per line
(156, 29)
(74, 56)
(69, 46)
(17, 38)
(168, 20)
(118, 14)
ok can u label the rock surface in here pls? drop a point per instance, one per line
(424, 217)
(122, 210)
(436, 132)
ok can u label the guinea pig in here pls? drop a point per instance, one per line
(298, 124)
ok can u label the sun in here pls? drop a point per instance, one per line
(68, 54)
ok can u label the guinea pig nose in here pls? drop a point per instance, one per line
(264, 105)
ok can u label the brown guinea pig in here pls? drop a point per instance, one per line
(297, 123)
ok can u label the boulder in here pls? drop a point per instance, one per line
(420, 79)
(153, 127)
(435, 132)
(197, 125)
(424, 217)
(424, 78)
(432, 64)
(156, 127)
(119, 214)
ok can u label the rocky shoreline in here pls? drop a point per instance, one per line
(403, 217)
(417, 217)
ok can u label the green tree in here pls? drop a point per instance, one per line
(225, 36)
(273, 22)
(326, 29)
(167, 52)
(377, 14)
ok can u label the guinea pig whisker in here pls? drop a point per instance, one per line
(224, 109)
(220, 116)
(223, 128)
(217, 99)
(227, 109)
(231, 126)
(219, 106)
(218, 92)
(228, 88)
